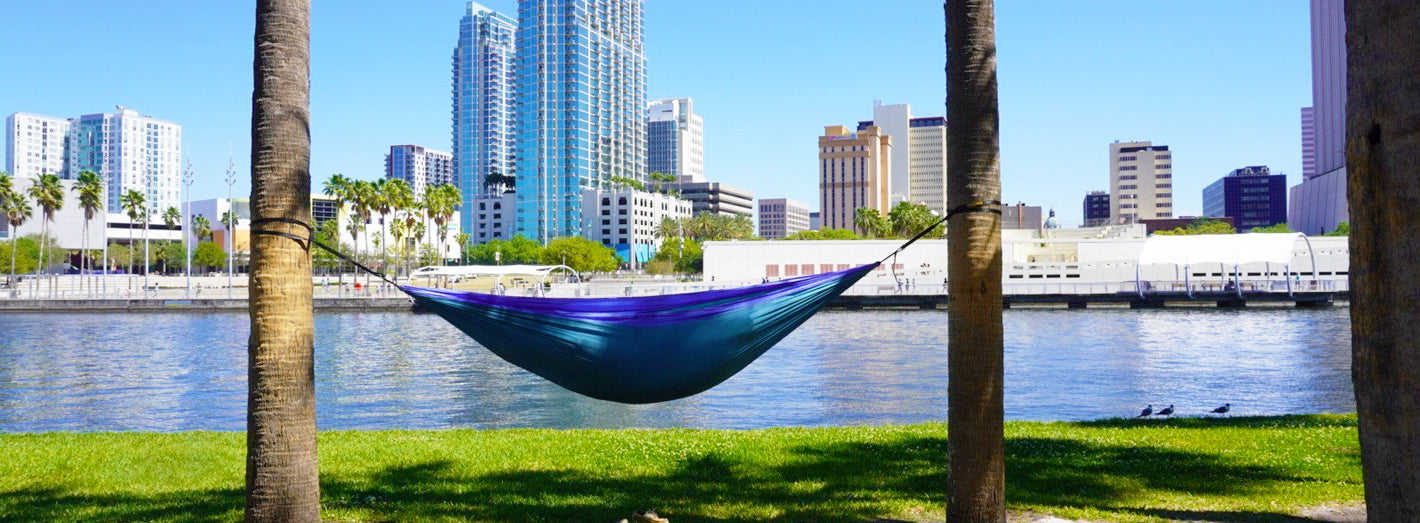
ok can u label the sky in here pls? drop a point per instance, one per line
(1220, 82)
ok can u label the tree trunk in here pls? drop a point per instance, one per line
(1383, 163)
(282, 477)
(975, 434)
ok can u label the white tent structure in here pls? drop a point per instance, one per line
(1227, 250)
(499, 271)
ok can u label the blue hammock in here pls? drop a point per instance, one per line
(643, 349)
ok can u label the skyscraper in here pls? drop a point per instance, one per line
(35, 145)
(1140, 182)
(675, 140)
(1319, 202)
(419, 167)
(1308, 143)
(919, 155)
(1096, 209)
(853, 173)
(581, 102)
(483, 78)
(131, 152)
(1252, 196)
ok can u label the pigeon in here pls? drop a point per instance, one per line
(1223, 409)
(1167, 411)
(1147, 411)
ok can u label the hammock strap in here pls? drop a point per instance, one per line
(991, 206)
(311, 240)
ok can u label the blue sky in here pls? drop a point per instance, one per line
(1220, 82)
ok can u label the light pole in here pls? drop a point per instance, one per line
(147, 217)
(187, 179)
(231, 222)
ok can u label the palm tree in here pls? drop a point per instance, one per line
(443, 201)
(282, 479)
(976, 489)
(7, 189)
(382, 195)
(48, 194)
(201, 227)
(17, 211)
(90, 189)
(399, 196)
(134, 206)
(171, 218)
(1383, 177)
(870, 222)
(363, 199)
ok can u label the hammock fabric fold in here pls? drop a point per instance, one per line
(640, 349)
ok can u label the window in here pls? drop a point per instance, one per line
(1128, 168)
(771, 271)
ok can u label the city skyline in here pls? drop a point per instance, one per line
(1220, 84)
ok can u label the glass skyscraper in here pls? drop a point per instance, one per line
(581, 107)
(131, 152)
(483, 104)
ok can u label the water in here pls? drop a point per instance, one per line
(180, 371)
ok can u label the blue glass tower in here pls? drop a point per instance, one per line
(581, 107)
(483, 104)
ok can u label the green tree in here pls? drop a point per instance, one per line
(871, 223)
(1383, 177)
(201, 227)
(328, 233)
(825, 234)
(24, 252)
(908, 219)
(120, 255)
(48, 195)
(1203, 225)
(1281, 227)
(622, 181)
(686, 256)
(579, 253)
(17, 211)
(89, 187)
(209, 256)
(135, 206)
(444, 200)
(514, 251)
(976, 489)
(282, 476)
(1342, 229)
(662, 182)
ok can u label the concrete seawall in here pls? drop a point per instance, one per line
(194, 305)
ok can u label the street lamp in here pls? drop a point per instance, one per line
(187, 180)
(231, 222)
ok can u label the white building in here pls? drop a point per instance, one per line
(67, 227)
(625, 219)
(132, 152)
(1140, 182)
(492, 218)
(782, 217)
(1319, 204)
(919, 155)
(35, 145)
(419, 167)
(675, 140)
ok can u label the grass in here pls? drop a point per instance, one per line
(1241, 469)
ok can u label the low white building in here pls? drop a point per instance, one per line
(493, 217)
(68, 225)
(625, 219)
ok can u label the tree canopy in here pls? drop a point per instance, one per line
(1203, 225)
(579, 253)
(516, 250)
(825, 234)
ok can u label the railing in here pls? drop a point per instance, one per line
(1281, 286)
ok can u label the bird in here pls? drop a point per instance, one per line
(1223, 409)
(1147, 411)
(1167, 411)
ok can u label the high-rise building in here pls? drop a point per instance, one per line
(581, 107)
(781, 217)
(919, 155)
(1251, 196)
(1308, 143)
(853, 173)
(483, 115)
(35, 145)
(131, 152)
(1140, 182)
(1096, 209)
(1319, 202)
(419, 167)
(675, 140)
(716, 198)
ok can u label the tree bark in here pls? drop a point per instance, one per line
(975, 434)
(282, 477)
(1383, 163)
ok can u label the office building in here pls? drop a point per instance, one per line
(625, 219)
(1096, 209)
(815, 221)
(1022, 216)
(1140, 182)
(35, 145)
(919, 155)
(1308, 143)
(781, 217)
(716, 198)
(132, 152)
(581, 108)
(419, 167)
(853, 173)
(675, 140)
(1319, 202)
(483, 116)
(1251, 196)
(493, 215)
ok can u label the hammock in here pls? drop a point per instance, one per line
(643, 349)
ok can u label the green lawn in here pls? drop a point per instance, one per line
(1241, 469)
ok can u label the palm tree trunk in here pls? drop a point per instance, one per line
(1383, 167)
(975, 435)
(282, 476)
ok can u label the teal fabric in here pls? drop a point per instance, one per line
(640, 349)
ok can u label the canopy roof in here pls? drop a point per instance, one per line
(488, 270)
(1227, 249)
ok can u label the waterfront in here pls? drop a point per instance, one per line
(385, 370)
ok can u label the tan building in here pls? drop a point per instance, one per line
(854, 170)
(781, 217)
(1140, 182)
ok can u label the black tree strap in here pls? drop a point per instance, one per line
(991, 206)
(311, 240)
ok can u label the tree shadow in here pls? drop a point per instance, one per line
(899, 477)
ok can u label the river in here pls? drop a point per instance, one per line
(397, 370)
